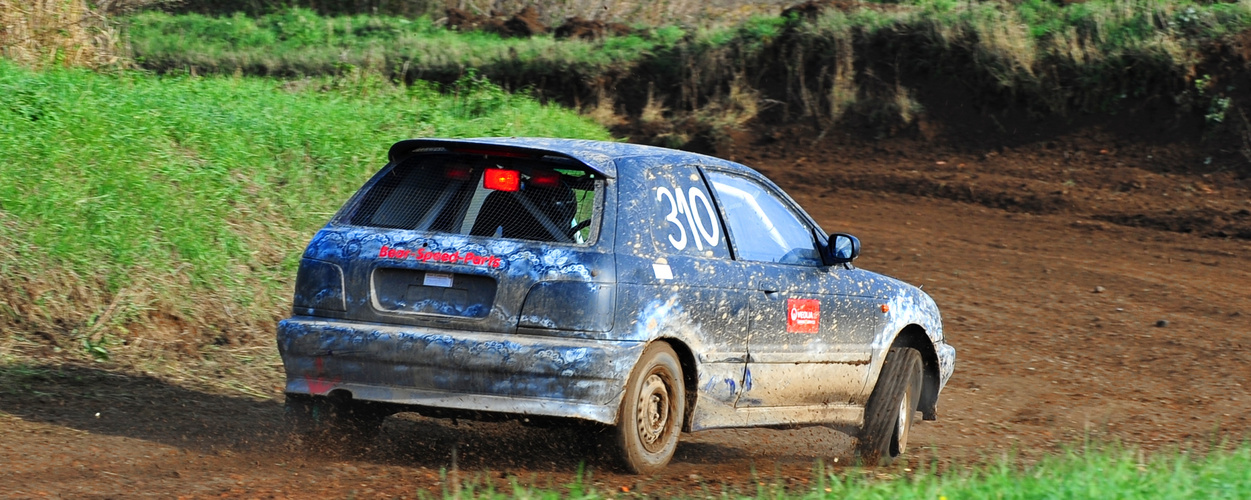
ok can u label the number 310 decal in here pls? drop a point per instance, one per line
(685, 204)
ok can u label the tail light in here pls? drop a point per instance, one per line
(501, 179)
(318, 285)
(569, 305)
(459, 172)
(545, 179)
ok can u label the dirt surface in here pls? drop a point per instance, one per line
(1093, 289)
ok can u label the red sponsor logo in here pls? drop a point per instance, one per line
(456, 257)
(803, 315)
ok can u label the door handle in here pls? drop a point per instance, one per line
(769, 287)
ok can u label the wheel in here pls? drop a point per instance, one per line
(891, 408)
(651, 413)
(343, 425)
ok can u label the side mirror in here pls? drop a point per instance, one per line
(843, 248)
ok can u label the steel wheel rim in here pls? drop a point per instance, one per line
(653, 413)
(901, 427)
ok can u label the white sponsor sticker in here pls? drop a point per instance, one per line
(437, 279)
(663, 272)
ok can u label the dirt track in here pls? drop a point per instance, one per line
(1077, 305)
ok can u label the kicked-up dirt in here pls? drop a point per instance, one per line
(1094, 289)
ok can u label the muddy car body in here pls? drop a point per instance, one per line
(642, 288)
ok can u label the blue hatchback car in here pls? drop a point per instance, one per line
(649, 290)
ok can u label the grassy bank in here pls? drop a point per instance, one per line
(650, 12)
(172, 210)
(1105, 473)
(298, 43)
(878, 67)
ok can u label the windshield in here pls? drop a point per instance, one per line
(477, 195)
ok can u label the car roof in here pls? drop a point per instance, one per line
(599, 155)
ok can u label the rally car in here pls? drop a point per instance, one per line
(648, 290)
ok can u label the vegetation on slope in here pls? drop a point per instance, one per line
(878, 67)
(178, 206)
(648, 12)
(298, 42)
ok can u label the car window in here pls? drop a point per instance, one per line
(763, 227)
(684, 219)
(484, 196)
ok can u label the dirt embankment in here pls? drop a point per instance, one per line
(527, 23)
(1084, 279)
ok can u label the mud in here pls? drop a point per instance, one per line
(588, 29)
(813, 9)
(525, 23)
(1053, 264)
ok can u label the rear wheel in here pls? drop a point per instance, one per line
(650, 418)
(892, 406)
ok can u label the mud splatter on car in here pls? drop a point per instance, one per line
(650, 290)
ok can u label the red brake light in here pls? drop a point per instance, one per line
(502, 180)
(545, 179)
(458, 173)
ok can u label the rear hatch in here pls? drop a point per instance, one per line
(456, 238)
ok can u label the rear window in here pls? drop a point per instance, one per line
(521, 198)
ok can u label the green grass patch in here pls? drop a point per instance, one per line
(196, 195)
(300, 42)
(1109, 472)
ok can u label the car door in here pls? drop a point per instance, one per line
(811, 328)
(676, 275)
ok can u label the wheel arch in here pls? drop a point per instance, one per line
(690, 377)
(914, 336)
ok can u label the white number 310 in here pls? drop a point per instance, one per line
(686, 205)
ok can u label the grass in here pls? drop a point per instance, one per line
(1102, 472)
(551, 12)
(1100, 56)
(56, 33)
(181, 204)
(298, 42)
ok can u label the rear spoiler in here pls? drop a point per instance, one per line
(525, 147)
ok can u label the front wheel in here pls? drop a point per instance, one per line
(651, 413)
(891, 408)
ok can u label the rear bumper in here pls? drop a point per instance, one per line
(493, 372)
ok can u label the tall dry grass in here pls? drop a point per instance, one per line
(551, 12)
(648, 12)
(43, 33)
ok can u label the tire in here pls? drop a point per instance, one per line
(891, 409)
(651, 413)
(340, 425)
